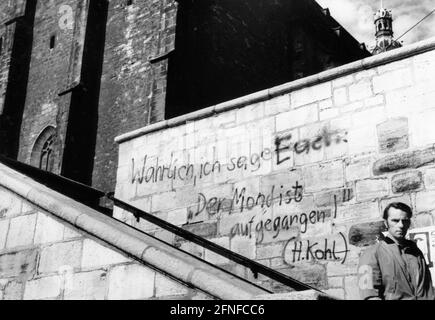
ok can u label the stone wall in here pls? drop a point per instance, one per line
(296, 181)
(43, 258)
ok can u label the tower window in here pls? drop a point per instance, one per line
(129, 2)
(46, 157)
(52, 41)
(42, 155)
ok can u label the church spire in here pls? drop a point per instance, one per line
(384, 31)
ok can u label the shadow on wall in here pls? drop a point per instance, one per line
(230, 48)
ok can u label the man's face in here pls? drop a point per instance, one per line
(398, 223)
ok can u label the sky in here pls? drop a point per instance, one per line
(356, 16)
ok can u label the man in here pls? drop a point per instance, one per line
(394, 268)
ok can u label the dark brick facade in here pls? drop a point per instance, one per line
(95, 69)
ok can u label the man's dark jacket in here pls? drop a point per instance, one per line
(383, 272)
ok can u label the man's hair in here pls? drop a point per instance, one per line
(399, 206)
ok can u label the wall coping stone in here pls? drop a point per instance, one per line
(152, 252)
(328, 75)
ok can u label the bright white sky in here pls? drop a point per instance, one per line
(356, 16)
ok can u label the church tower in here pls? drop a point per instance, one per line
(384, 31)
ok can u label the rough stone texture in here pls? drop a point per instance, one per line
(95, 255)
(131, 282)
(324, 176)
(48, 230)
(205, 230)
(18, 263)
(167, 288)
(86, 286)
(393, 135)
(4, 227)
(21, 231)
(365, 234)
(407, 160)
(43, 288)
(408, 181)
(57, 256)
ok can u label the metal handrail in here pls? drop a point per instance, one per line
(89, 196)
(254, 266)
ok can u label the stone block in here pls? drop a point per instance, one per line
(327, 114)
(70, 233)
(95, 255)
(310, 94)
(250, 113)
(323, 176)
(358, 212)
(423, 219)
(277, 105)
(429, 178)
(362, 140)
(10, 205)
(404, 160)
(311, 274)
(360, 90)
(243, 246)
(43, 288)
(270, 251)
(87, 286)
(425, 201)
(424, 66)
(422, 128)
(358, 168)
(365, 234)
(342, 81)
(340, 96)
(370, 189)
(166, 287)
(57, 256)
(48, 229)
(393, 135)
(297, 118)
(205, 230)
(193, 249)
(19, 263)
(326, 105)
(406, 182)
(369, 117)
(374, 101)
(177, 217)
(327, 199)
(352, 107)
(4, 227)
(21, 231)
(365, 74)
(215, 258)
(181, 198)
(392, 80)
(13, 290)
(221, 120)
(132, 281)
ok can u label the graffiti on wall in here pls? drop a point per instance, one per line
(151, 170)
(334, 248)
(290, 218)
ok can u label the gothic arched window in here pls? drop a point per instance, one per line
(42, 155)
